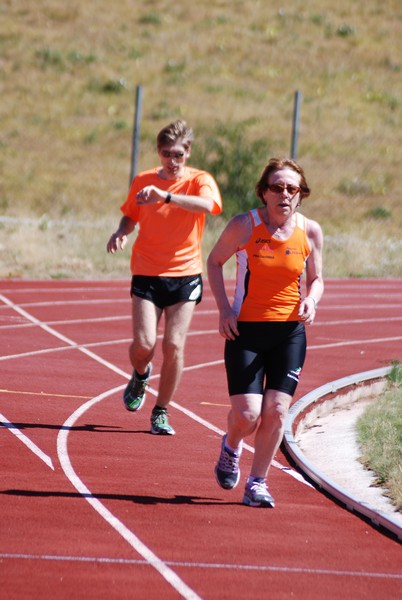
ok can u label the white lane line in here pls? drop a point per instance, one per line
(358, 321)
(133, 540)
(203, 311)
(169, 575)
(355, 343)
(122, 284)
(369, 307)
(72, 346)
(75, 346)
(194, 332)
(62, 290)
(208, 425)
(190, 414)
(62, 450)
(25, 440)
(43, 394)
(80, 486)
(199, 565)
(24, 325)
(78, 302)
(60, 336)
(83, 348)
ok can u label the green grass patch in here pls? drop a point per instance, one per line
(379, 432)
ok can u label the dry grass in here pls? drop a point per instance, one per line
(68, 77)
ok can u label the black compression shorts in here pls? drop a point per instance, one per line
(265, 356)
(166, 291)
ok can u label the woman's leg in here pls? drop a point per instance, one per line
(270, 431)
(242, 418)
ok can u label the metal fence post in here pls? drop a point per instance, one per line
(136, 133)
(295, 126)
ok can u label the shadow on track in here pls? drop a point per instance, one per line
(177, 499)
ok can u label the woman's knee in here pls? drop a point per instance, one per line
(246, 410)
(276, 410)
(245, 419)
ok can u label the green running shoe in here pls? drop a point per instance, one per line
(159, 422)
(134, 394)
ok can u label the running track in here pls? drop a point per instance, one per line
(94, 507)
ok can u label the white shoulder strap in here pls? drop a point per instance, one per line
(255, 216)
(301, 221)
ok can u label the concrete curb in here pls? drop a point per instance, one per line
(308, 404)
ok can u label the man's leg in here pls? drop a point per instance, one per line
(177, 322)
(146, 317)
(145, 322)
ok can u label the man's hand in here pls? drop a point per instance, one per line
(150, 194)
(115, 242)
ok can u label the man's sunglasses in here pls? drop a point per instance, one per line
(176, 155)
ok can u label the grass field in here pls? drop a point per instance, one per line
(379, 432)
(69, 73)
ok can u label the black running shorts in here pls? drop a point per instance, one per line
(265, 356)
(166, 291)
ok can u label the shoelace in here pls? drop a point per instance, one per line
(259, 487)
(159, 418)
(140, 386)
(228, 462)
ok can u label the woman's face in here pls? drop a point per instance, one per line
(283, 193)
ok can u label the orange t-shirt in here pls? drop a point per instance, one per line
(168, 243)
(268, 273)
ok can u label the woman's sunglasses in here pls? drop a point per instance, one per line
(279, 188)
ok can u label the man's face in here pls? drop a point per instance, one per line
(173, 160)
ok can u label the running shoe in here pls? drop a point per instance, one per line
(227, 470)
(256, 494)
(159, 422)
(134, 394)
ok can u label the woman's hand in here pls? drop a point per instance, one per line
(228, 325)
(307, 310)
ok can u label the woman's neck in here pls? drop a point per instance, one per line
(279, 226)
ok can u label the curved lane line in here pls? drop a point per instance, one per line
(109, 365)
(143, 550)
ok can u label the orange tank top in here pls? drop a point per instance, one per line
(268, 273)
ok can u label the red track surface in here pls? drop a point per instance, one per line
(93, 506)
